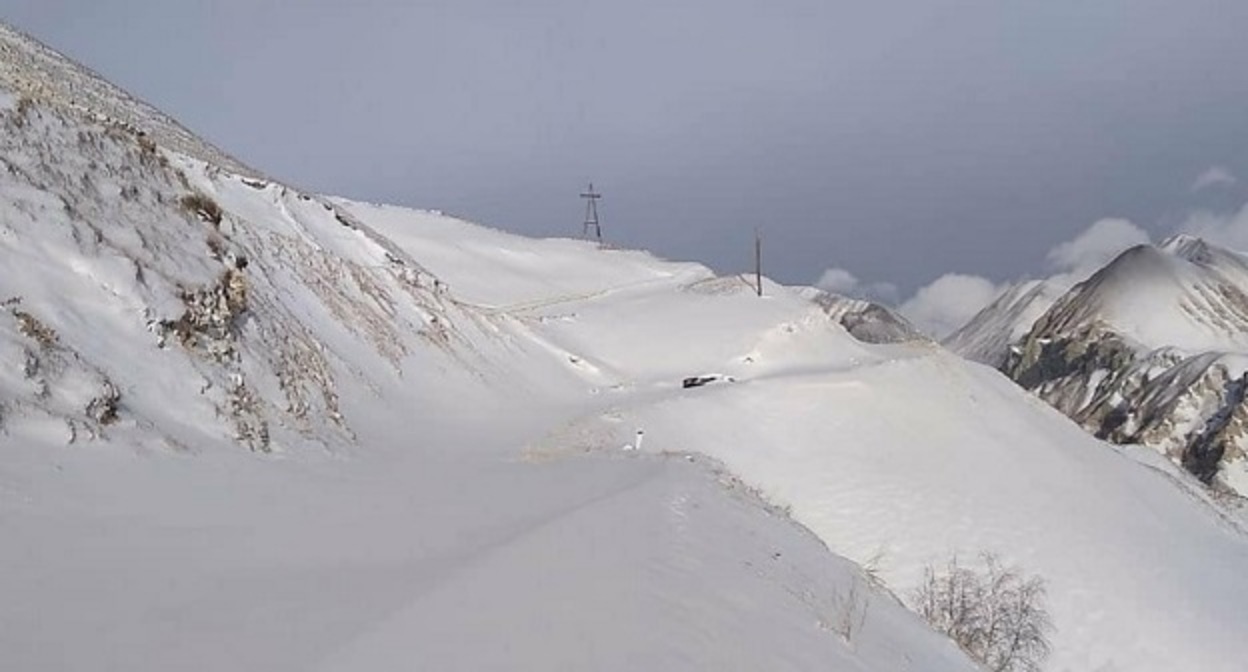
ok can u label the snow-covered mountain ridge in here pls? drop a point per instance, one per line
(1149, 349)
(987, 337)
(32, 70)
(483, 457)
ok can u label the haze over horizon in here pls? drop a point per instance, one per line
(890, 145)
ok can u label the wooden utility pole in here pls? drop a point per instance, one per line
(758, 261)
(591, 214)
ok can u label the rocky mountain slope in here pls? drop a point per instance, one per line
(112, 245)
(865, 320)
(1150, 349)
(987, 338)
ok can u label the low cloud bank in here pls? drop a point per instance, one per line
(950, 301)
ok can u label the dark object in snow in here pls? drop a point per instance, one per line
(699, 381)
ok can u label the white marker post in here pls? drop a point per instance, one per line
(641, 434)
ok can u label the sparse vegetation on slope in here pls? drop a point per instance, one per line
(996, 614)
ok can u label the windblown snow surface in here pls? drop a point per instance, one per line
(258, 429)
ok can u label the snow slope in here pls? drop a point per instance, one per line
(115, 283)
(909, 450)
(435, 561)
(446, 421)
(1154, 299)
(242, 430)
(987, 338)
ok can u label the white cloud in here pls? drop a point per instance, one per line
(838, 281)
(1096, 246)
(951, 301)
(841, 281)
(1216, 176)
(1227, 229)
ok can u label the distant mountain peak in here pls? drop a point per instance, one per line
(1156, 297)
(865, 320)
(988, 336)
(1149, 349)
(1184, 245)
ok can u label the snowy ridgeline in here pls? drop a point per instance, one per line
(438, 411)
(1152, 349)
(32, 70)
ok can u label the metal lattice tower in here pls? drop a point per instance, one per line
(591, 214)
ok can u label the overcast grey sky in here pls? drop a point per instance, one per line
(898, 140)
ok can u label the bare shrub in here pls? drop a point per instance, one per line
(22, 112)
(104, 407)
(250, 427)
(216, 247)
(873, 566)
(851, 610)
(994, 613)
(33, 329)
(147, 145)
(204, 207)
